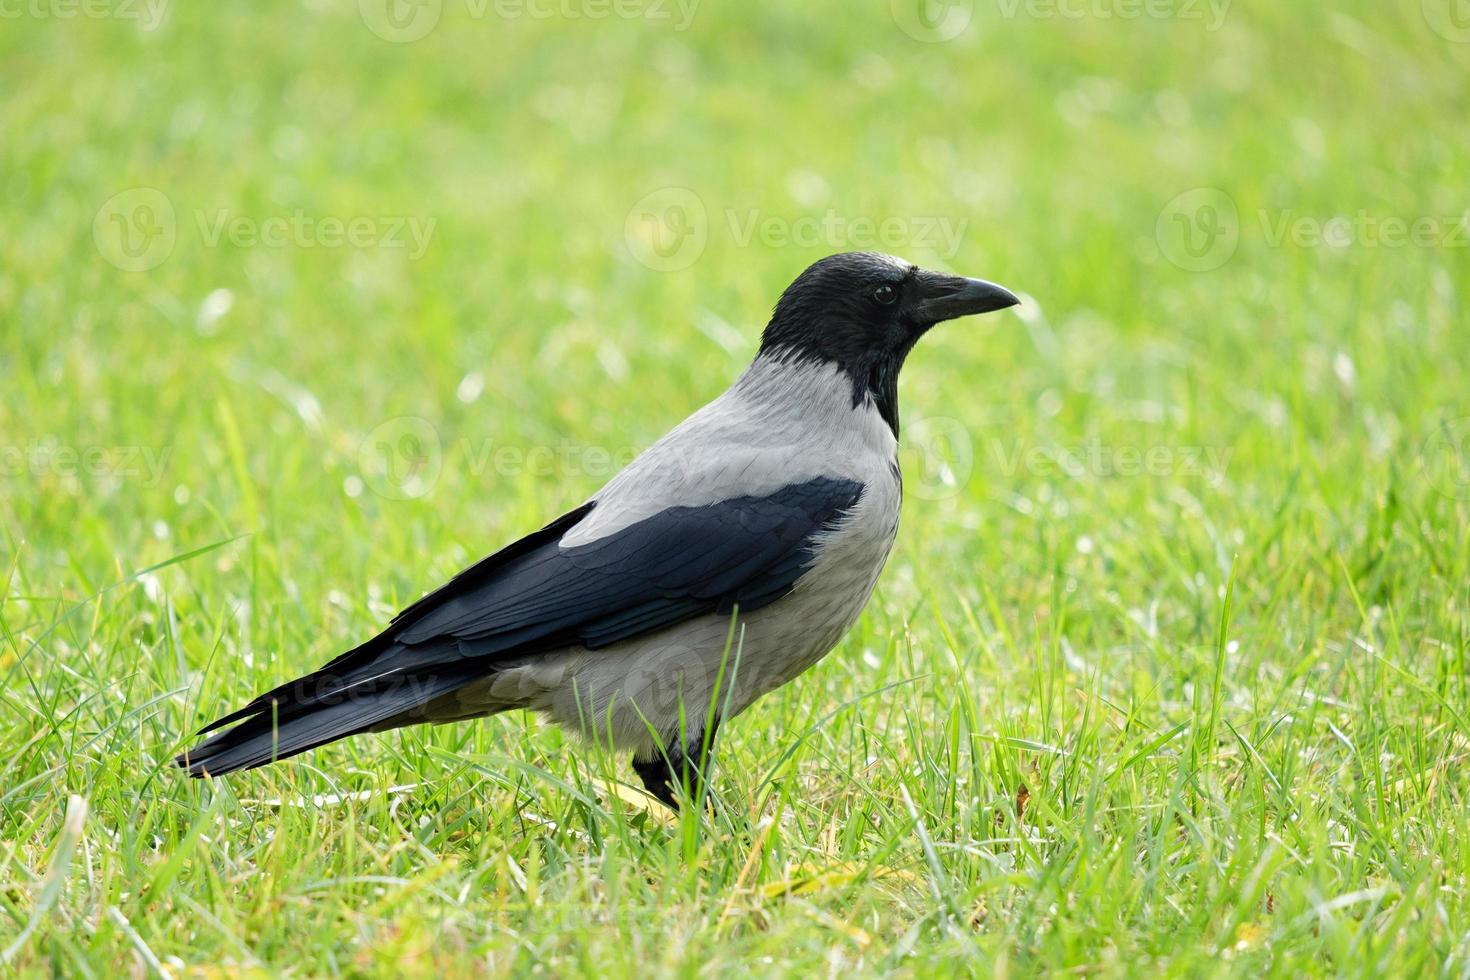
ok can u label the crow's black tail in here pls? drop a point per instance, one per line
(360, 691)
(370, 687)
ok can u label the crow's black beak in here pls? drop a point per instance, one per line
(944, 297)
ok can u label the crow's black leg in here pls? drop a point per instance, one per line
(687, 765)
(658, 779)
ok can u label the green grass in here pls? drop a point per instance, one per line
(1168, 672)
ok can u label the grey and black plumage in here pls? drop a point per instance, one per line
(776, 504)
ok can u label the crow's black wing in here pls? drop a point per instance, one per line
(680, 562)
(538, 595)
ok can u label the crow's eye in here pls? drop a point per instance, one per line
(885, 295)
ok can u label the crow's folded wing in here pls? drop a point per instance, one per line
(678, 563)
(538, 594)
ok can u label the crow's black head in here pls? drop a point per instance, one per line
(864, 311)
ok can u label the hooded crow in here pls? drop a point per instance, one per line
(721, 563)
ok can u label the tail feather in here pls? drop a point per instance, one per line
(321, 707)
(391, 675)
(332, 676)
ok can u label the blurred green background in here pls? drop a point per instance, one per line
(365, 289)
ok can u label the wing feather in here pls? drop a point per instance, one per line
(538, 595)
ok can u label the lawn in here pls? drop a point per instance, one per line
(304, 306)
